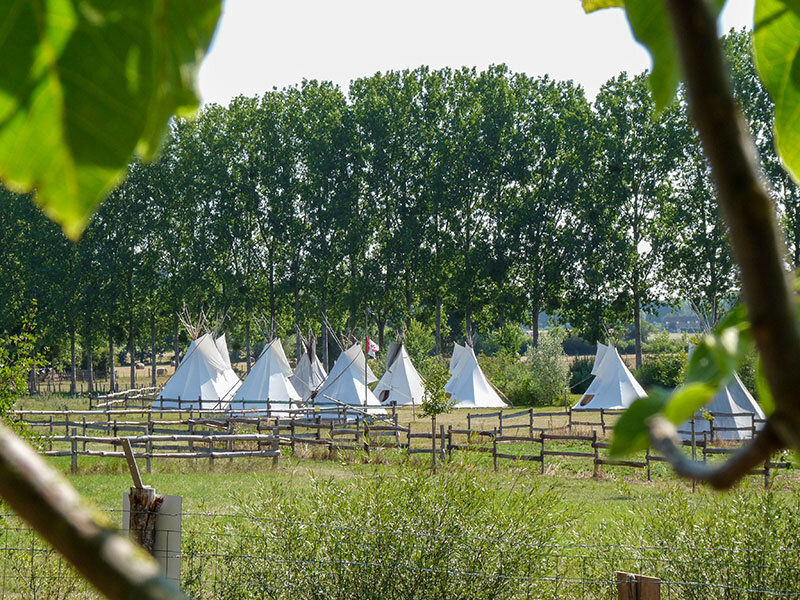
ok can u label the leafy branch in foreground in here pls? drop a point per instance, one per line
(771, 321)
(85, 85)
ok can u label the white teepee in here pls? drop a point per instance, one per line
(204, 378)
(733, 399)
(309, 373)
(345, 384)
(467, 384)
(268, 385)
(400, 384)
(613, 386)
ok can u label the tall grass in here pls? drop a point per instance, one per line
(405, 535)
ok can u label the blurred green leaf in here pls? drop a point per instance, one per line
(84, 85)
(651, 27)
(593, 5)
(685, 401)
(776, 43)
(630, 431)
(719, 353)
(765, 398)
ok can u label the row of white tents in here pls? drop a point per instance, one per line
(205, 379)
(614, 387)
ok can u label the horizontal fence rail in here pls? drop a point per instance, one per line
(178, 433)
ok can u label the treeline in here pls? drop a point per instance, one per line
(466, 200)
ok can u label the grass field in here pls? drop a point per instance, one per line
(385, 525)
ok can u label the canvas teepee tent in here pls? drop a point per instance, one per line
(468, 385)
(204, 378)
(733, 399)
(309, 373)
(345, 384)
(268, 385)
(400, 384)
(613, 386)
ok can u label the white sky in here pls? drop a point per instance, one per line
(261, 44)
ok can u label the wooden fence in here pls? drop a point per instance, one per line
(212, 434)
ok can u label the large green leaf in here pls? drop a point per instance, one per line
(776, 43)
(650, 25)
(86, 83)
(630, 431)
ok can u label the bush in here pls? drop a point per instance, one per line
(665, 370)
(511, 376)
(580, 375)
(550, 368)
(663, 343)
(420, 341)
(509, 339)
(398, 535)
(436, 374)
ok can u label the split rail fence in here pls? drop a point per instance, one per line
(177, 433)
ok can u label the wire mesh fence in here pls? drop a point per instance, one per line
(244, 556)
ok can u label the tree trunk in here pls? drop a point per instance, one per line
(132, 350)
(297, 344)
(153, 359)
(247, 344)
(324, 344)
(381, 330)
(89, 366)
(535, 326)
(73, 381)
(175, 333)
(637, 329)
(439, 349)
(112, 372)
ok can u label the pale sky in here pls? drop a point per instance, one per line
(261, 44)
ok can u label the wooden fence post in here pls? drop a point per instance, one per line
(530, 423)
(51, 432)
(84, 435)
(433, 442)
(494, 449)
(408, 441)
(450, 442)
(603, 420)
(442, 444)
(148, 448)
(541, 441)
(637, 587)
(647, 460)
(469, 428)
(694, 449)
(74, 451)
(766, 473)
(501, 421)
(292, 431)
(275, 444)
(596, 450)
(569, 416)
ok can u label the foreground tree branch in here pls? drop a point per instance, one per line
(755, 236)
(664, 439)
(41, 496)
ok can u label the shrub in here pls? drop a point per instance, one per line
(511, 376)
(509, 339)
(436, 374)
(665, 370)
(580, 375)
(420, 341)
(400, 535)
(550, 368)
